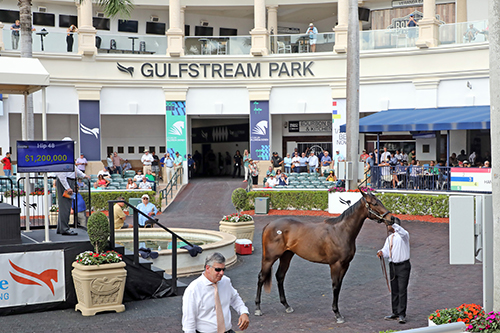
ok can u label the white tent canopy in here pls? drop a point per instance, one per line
(20, 75)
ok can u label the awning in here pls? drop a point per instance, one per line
(19, 75)
(434, 119)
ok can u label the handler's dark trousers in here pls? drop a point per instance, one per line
(400, 275)
(64, 207)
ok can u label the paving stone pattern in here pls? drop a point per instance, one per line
(364, 298)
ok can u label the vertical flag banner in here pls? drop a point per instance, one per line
(176, 128)
(90, 130)
(338, 119)
(259, 131)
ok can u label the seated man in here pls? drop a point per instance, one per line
(104, 172)
(127, 166)
(150, 176)
(147, 208)
(470, 33)
(120, 215)
(138, 177)
(270, 171)
(271, 181)
(145, 185)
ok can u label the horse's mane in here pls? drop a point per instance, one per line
(348, 212)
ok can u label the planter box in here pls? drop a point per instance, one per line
(337, 201)
(242, 230)
(99, 288)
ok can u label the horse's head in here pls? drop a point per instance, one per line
(377, 211)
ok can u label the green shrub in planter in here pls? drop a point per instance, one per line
(239, 199)
(100, 199)
(98, 231)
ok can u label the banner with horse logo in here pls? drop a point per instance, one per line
(176, 128)
(89, 134)
(32, 278)
(259, 131)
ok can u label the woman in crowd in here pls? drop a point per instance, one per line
(282, 180)
(69, 37)
(287, 161)
(131, 185)
(101, 182)
(246, 160)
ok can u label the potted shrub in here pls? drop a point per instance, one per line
(240, 225)
(99, 276)
(53, 215)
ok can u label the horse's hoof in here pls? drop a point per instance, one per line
(289, 309)
(340, 320)
(258, 312)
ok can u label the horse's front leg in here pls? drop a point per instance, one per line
(337, 272)
(280, 277)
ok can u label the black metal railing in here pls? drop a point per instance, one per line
(427, 178)
(169, 189)
(151, 221)
(6, 186)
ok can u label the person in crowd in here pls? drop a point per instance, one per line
(80, 183)
(147, 208)
(312, 162)
(397, 250)
(131, 185)
(312, 31)
(270, 171)
(65, 183)
(370, 161)
(146, 160)
(169, 167)
(303, 163)
(287, 161)
(363, 156)
(412, 31)
(81, 209)
(155, 165)
(145, 184)
(376, 156)
(276, 161)
(393, 161)
(105, 173)
(126, 166)
(283, 179)
(149, 176)
(398, 156)
(296, 162)
(385, 155)
(237, 164)
(271, 181)
(7, 165)
(119, 215)
(466, 164)
(405, 157)
(138, 177)
(385, 171)
(278, 174)
(109, 164)
(101, 182)
(487, 164)
(331, 177)
(178, 163)
(16, 32)
(401, 173)
(254, 169)
(415, 173)
(69, 37)
(207, 300)
(192, 166)
(453, 161)
(462, 157)
(81, 162)
(246, 160)
(117, 162)
(227, 163)
(326, 162)
(472, 158)
(471, 33)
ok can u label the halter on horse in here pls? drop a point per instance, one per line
(332, 242)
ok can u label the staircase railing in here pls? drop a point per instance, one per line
(136, 237)
(169, 189)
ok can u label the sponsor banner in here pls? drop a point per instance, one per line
(32, 278)
(259, 131)
(213, 134)
(310, 126)
(338, 119)
(407, 3)
(471, 179)
(176, 128)
(90, 130)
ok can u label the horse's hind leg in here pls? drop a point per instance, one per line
(264, 276)
(280, 277)
(337, 273)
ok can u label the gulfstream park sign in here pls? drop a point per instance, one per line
(222, 70)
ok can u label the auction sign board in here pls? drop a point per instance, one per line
(45, 156)
(32, 278)
(471, 179)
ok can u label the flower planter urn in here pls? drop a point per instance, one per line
(99, 287)
(242, 230)
(53, 216)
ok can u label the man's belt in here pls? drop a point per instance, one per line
(400, 263)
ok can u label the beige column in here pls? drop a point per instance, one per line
(183, 19)
(2, 45)
(341, 28)
(272, 20)
(175, 34)
(428, 26)
(461, 10)
(86, 31)
(259, 33)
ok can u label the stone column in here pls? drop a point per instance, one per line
(272, 19)
(175, 34)
(183, 19)
(341, 28)
(259, 32)
(429, 26)
(86, 31)
(461, 10)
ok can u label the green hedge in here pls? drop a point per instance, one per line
(100, 199)
(411, 204)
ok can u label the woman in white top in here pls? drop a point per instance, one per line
(131, 185)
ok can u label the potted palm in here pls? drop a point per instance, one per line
(53, 215)
(99, 276)
(240, 225)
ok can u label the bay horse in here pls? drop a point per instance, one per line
(332, 242)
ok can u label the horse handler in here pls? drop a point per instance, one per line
(397, 249)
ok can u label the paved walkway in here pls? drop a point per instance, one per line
(364, 299)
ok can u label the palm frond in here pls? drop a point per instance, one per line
(114, 8)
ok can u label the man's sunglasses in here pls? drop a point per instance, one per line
(218, 269)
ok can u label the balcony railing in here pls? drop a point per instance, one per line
(205, 45)
(54, 42)
(465, 32)
(137, 44)
(302, 43)
(388, 38)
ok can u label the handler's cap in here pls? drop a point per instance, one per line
(310, 24)
(145, 196)
(146, 151)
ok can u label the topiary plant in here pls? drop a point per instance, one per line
(98, 231)
(239, 199)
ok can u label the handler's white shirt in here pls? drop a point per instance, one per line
(400, 245)
(198, 305)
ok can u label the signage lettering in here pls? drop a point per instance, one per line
(4, 284)
(226, 70)
(406, 3)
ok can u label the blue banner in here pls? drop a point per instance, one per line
(259, 131)
(90, 130)
(176, 128)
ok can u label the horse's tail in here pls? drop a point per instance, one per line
(266, 275)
